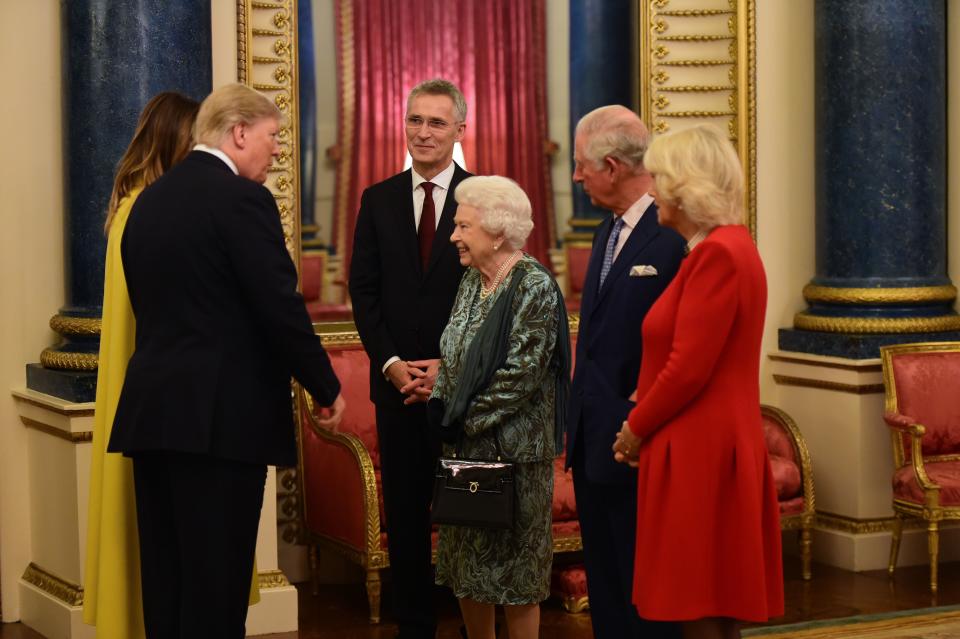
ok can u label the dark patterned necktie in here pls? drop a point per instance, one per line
(428, 224)
(611, 248)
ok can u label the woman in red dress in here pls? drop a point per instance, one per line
(708, 529)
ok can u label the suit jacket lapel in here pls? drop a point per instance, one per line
(646, 229)
(403, 217)
(445, 226)
(592, 279)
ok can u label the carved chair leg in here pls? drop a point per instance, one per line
(373, 593)
(314, 569)
(933, 548)
(805, 549)
(896, 531)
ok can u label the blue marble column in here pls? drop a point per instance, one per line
(308, 124)
(602, 49)
(881, 273)
(116, 56)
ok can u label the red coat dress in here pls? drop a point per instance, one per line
(708, 527)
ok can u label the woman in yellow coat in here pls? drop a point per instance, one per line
(112, 599)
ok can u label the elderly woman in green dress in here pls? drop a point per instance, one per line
(519, 408)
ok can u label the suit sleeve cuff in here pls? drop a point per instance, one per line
(387, 365)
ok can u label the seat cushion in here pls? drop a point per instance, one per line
(791, 506)
(944, 474)
(786, 477)
(569, 584)
(564, 503)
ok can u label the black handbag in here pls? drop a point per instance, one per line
(474, 492)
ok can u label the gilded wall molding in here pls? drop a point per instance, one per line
(61, 589)
(872, 325)
(78, 437)
(840, 387)
(698, 57)
(267, 61)
(269, 579)
(905, 295)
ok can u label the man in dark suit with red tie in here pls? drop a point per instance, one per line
(632, 261)
(404, 275)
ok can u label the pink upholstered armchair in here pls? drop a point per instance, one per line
(922, 383)
(793, 476)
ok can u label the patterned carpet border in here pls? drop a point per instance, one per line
(855, 626)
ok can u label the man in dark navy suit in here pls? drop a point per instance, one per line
(632, 262)
(404, 275)
(205, 406)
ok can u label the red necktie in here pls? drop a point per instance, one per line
(428, 223)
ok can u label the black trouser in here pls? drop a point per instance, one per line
(197, 518)
(408, 458)
(608, 527)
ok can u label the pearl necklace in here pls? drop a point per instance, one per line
(486, 292)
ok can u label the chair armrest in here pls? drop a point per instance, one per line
(904, 424)
(340, 500)
(909, 426)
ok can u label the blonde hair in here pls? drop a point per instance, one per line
(163, 137)
(503, 205)
(228, 106)
(614, 131)
(697, 169)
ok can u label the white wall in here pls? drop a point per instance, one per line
(785, 163)
(31, 248)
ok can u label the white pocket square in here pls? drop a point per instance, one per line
(642, 270)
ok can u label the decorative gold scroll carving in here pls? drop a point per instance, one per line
(272, 579)
(65, 325)
(61, 589)
(267, 61)
(905, 295)
(690, 70)
(873, 325)
(61, 360)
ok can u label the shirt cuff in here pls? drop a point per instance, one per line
(387, 365)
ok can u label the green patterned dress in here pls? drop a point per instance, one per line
(495, 566)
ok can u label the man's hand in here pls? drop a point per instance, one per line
(330, 417)
(399, 374)
(424, 376)
(627, 446)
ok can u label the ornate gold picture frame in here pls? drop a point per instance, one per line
(698, 64)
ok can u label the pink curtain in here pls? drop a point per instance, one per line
(493, 50)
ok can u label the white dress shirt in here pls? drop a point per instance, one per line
(630, 219)
(220, 154)
(441, 183)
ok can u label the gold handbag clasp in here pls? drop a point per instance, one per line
(474, 485)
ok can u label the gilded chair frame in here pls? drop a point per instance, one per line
(805, 520)
(930, 511)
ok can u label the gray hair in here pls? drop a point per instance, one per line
(503, 206)
(228, 106)
(614, 131)
(439, 86)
